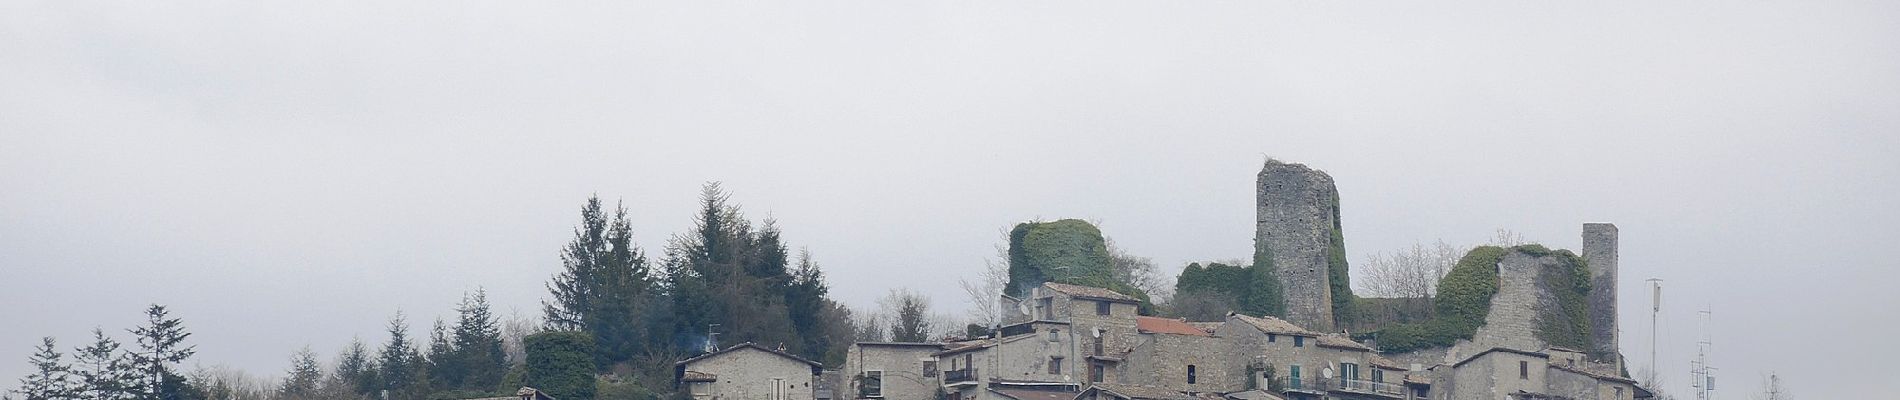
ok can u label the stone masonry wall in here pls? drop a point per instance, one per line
(1599, 250)
(749, 374)
(1515, 309)
(1295, 225)
(903, 366)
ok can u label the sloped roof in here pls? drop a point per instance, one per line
(1382, 362)
(1168, 326)
(1032, 394)
(1210, 327)
(1594, 375)
(1089, 292)
(1139, 392)
(1341, 342)
(814, 364)
(1273, 325)
(696, 376)
(1254, 394)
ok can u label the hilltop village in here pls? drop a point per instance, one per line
(1523, 322)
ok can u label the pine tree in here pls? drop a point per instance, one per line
(355, 370)
(445, 370)
(477, 343)
(399, 362)
(304, 376)
(103, 371)
(574, 288)
(805, 299)
(161, 346)
(50, 379)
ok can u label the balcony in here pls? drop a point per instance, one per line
(959, 376)
(1360, 386)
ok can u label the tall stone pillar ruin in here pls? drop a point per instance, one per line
(1298, 214)
(1599, 250)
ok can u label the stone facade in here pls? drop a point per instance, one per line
(749, 371)
(1599, 250)
(1164, 360)
(904, 370)
(1297, 216)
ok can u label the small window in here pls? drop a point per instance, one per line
(1055, 335)
(1101, 308)
(1523, 370)
(1272, 338)
(1378, 375)
(1055, 365)
(1095, 372)
(872, 385)
(1299, 341)
(1191, 372)
(930, 368)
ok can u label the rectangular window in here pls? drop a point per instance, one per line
(1378, 375)
(1047, 305)
(930, 368)
(1101, 308)
(1055, 335)
(1190, 375)
(1272, 338)
(1299, 341)
(872, 385)
(1293, 376)
(1523, 370)
(1095, 372)
(1349, 371)
(1055, 365)
(1098, 345)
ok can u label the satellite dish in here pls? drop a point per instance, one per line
(1328, 372)
(1022, 307)
(1097, 332)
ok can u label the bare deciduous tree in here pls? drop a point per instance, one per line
(1772, 388)
(514, 327)
(1507, 238)
(1139, 272)
(1410, 273)
(986, 291)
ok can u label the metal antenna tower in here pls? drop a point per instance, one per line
(1704, 374)
(1655, 307)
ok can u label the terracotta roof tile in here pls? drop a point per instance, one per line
(1167, 325)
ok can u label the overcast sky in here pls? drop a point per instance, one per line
(284, 174)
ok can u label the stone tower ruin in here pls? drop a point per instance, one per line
(1599, 250)
(1298, 215)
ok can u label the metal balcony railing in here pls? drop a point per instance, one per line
(1341, 385)
(959, 376)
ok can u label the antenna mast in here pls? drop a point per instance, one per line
(1655, 307)
(1704, 374)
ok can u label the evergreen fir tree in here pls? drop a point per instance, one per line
(477, 343)
(574, 288)
(51, 379)
(445, 370)
(161, 346)
(355, 370)
(304, 376)
(103, 371)
(399, 361)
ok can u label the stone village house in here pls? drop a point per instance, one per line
(747, 371)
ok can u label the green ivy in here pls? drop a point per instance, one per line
(1068, 251)
(1569, 325)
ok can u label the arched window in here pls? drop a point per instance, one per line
(1191, 372)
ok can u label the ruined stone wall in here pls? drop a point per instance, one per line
(1599, 250)
(1297, 216)
(1515, 309)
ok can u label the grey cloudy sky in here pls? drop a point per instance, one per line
(292, 173)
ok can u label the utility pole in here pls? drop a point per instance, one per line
(1655, 307)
